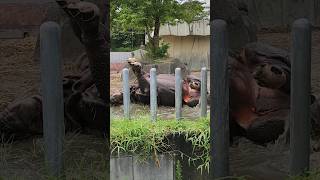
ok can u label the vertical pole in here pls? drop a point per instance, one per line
(203, 97)
(219, 124)
(300, 97)
(178, 93)
(153, 94)
(52, 93)
(126, 93)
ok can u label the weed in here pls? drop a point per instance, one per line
(142, 137)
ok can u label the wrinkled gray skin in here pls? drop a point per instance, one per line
(140, 92)
(86, 26)
(85, 95)
(260, 94)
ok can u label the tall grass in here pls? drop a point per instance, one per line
(142, 137)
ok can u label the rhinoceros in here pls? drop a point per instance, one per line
(140, 92)
(85, 95)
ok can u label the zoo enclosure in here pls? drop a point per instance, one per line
(153, 93)
(300, 111)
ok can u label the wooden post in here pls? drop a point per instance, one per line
(219, 124)
(178, 93)
(203, 97)
(300, 97)
(52, 94)
(153, 94)
(126, 93)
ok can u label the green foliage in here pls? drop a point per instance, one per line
(142, 137)
(178, 170)
(192, 11)
(146, 16)
(310, 175)
(157, 53)
(126, 41)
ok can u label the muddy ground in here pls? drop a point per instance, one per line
(19, 77)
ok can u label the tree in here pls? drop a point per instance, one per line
(148, 15)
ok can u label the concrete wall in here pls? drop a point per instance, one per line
(133, 168)
(130, 168)
(201, 28)
(193, 50)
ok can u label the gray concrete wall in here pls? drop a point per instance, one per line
(193, 50)
(130, 168)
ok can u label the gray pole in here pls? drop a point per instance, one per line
(52, 95)
(300, 97)
(219, 124)
(153, 94)
(126, 93)
(178, 93)
(203, 97)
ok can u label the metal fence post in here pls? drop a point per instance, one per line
(153, 94)
(203, 97)
(52, 93)
(219, 124)
(126, 93)
(178, 93)
(300, 97)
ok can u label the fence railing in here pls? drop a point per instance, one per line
(300, 97)
(52, 93)
(153, 93)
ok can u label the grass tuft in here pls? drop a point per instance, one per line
(142, 137)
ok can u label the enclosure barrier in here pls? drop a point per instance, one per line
(300, 97)
(126, 93)
(219, 123)
(52, 93)
(153, 93)
(178, 93)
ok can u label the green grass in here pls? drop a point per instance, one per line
(310, 175)
(142, 137)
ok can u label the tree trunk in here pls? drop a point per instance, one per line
(156, 33)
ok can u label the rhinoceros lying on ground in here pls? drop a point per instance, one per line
(140, 92)
(260, 93)
(85, 95)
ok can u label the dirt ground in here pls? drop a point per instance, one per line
(19, 77)
(19, 73)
